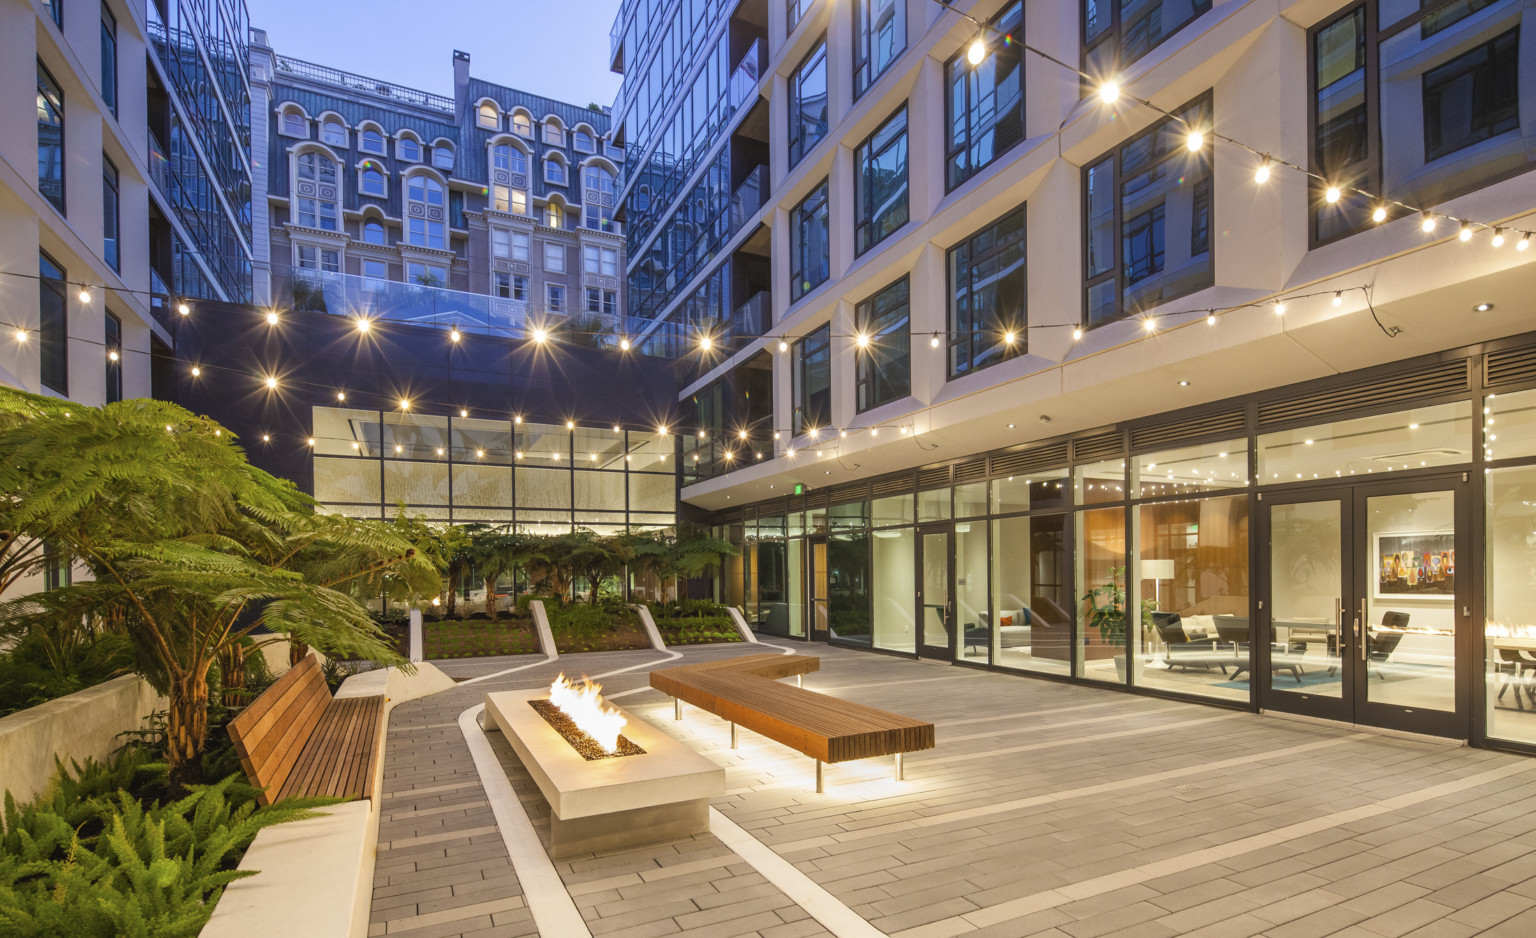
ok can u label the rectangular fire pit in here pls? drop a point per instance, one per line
(605, 804)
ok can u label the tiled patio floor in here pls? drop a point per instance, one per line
(1046, 809)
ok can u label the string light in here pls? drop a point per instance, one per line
(21, 335)
(706, 343)
(742, 435)
(1149, 324)
(1332, 195)
(861, 340)
(85, 294)
(1109, 92)
(934, 341)
(1009, 338)
(1338, 298)
(183, 309)
(517, 418)
(1498, 238)
(341, 395)
(1524, 242)
(453, 334)
(978, 51)
(311, 439)
(405, 404)
(271, 383)
(463, 412)
(112, 355)
(1279, 308)
(1210, 319)
(196, 372)
(540, 336)
(1194, 141)
(266, 438)
(272, 317)
(1379, 215)
(783, 346)
(363, 325)
(1261, 175)
(570, 424)
(1077, 333)
(1428, 224)
(624, 344)
(1465, 234)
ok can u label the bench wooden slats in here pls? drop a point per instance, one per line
(296, 740)
(743, 691)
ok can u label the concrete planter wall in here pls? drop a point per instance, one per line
(80, 726)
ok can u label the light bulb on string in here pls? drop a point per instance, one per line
(453, 334)
(85, 294)
(540, 336)
(1194, 141)
(463, 412)
(1279, 308)
(977, 52)
(1149, 324)
(271, 383)
(183, 309)
(1210, 318)
(363, 325)
(21, 335)
(341, 395)
(1261, 175)
(783, 346)
(861, 340)
(196, 372)
(1524, 242)
(624, 344)
(1379, 215)
(1465, 233)
(706, 343)
(1498, 238)
(1009, 337)
(1338, 298)
(1077, 333)
(112, 355)
(1428, 224)
(933, 342)
(1332, 195)
(1109, 92)
(271, 317)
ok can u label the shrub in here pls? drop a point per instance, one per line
(30, 675)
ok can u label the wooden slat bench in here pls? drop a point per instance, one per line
(745, 692)
(296, 740)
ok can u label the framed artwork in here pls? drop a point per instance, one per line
(1416, 566)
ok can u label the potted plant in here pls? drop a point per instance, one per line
(1106, 612)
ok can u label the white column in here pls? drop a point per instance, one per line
(415, 641)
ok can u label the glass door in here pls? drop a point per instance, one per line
(936, 592)
(817, 612)
(1362, 607)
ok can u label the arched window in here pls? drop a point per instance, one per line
(487, 116)
(442, 157)
(371, 141)
(599, 182)
(408, 149)
(554, 134)
(311, 212)
(583, 141)
(504, 156)
(372, 181)
(554, 172)
(522, 124)
(428, 192)
(333, 132)
(554, 215)
(294, 124)
(373, 232)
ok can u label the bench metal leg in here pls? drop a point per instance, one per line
(901, 768)
(733, 735)
(820, 785)
(799, 680)
(677, 708)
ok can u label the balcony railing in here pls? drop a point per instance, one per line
(388, 89)
(751, 319)
(744, 79)
(749, 198)
(416, 304)
(159, 166)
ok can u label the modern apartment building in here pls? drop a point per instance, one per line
(1013, 318)
(485, 210)
(125, 189)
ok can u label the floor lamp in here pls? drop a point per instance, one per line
(1157, 571)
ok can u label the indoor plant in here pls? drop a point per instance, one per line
(1106, 612)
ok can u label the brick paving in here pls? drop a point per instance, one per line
(1047, 809)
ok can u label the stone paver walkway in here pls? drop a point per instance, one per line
(1047, 809)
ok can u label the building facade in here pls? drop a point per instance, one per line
(1174, 348)
(126, 189)
(484, 211)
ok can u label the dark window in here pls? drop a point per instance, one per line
(109, 59)
(813, 381)
(1343, 147)
(112, 338)
(1149, 188)
(808, 248)
(1118, 32)
(884, 371)
(52, 327)
(1473, 96)
(987, 296)
(504, 285)
(50, 139)
(110, 219)
(55, 10)
(793, 10)
(1449, 15)
(879, 36)
(808, 103)
(880, 188)
(986, 102)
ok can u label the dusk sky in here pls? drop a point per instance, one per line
(555, 48)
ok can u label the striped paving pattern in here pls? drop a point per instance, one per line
(1046, 809)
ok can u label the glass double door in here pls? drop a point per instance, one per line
(1364, 612)
(951, 612)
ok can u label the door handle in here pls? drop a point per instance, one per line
(1360, 636)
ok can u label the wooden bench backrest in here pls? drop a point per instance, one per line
(270, 733)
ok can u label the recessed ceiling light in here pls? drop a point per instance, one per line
(1183, 383)
(1010, 426)
(1482, 307)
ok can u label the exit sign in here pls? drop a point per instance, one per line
(799, 488)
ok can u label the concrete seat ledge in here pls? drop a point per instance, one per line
(309, 870)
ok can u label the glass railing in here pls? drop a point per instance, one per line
(744, 79)
(751, 318)
(749, 197)
(436, 307)
(159, 166)
(160, 300)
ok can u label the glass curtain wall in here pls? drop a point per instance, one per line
(1509, 630)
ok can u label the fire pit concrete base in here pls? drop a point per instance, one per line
(614, 803)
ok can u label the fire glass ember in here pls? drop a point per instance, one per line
(578, 714)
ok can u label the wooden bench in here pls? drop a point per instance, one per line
(296, 740)
(745, 691)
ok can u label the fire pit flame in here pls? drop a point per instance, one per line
(584, 706)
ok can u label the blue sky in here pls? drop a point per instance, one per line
(555, 48)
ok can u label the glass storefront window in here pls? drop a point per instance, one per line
(972, 609)
(1191, 469)
(539, 487)
(420, 485)
(1510, 581)
(1031, 589)
(849, 516)
(482, 441)
(1104, 597)
(892, 510)
(1100, 482)
(847, 583)
(481, 486)
(933, 505)
(971, 500)
(1409, 439)
(894, 572)
(1032, 492)
(336, 429)
(1509, 425)
(1193, 570)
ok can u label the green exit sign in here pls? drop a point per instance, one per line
(799, 488)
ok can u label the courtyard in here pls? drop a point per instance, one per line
(1046, 809)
